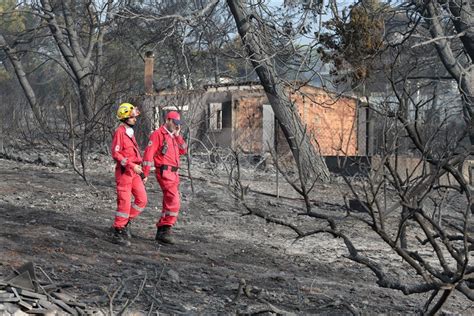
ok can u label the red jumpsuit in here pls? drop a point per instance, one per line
(163, 151)
(125, 152)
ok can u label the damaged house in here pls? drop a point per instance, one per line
(239, 116)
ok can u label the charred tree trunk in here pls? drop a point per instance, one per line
(461, 14)
(304, 152)
(24, 82)
(79, 58)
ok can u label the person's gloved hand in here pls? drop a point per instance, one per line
(137, 169)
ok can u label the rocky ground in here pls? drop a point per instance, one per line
(224, 262)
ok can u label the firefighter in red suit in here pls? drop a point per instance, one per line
(128, 174)
(163, 151)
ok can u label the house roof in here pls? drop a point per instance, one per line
(232, 84)
(256, 85)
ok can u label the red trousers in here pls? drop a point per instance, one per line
(128, 183)
(169, 183)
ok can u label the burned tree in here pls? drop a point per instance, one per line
(416, 196)
(68, 37)
(252, 28)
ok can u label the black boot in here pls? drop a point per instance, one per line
(128, 232)
(120, 237)
(163, 234)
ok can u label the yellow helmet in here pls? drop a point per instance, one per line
(127, 110)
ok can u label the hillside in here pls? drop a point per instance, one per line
(224, 262)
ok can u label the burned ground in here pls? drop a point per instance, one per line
(48, 215)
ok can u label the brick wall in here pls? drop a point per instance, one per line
(331, 119)
(248, 121)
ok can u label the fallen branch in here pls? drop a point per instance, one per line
(272, 220)
(317, 202)
(140, 290)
